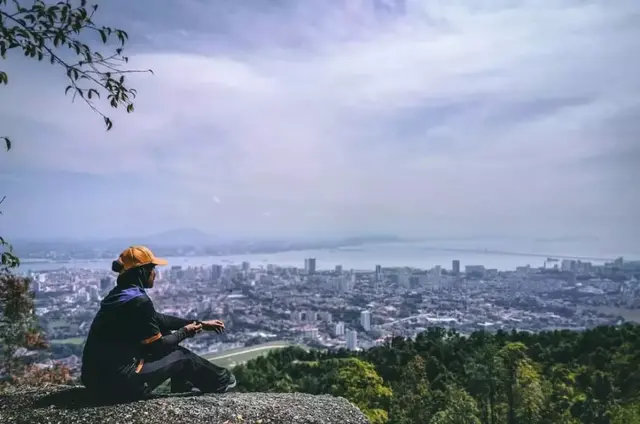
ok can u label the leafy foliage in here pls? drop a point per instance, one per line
(295, 370)
(62, 34)
(461, 408)
(19, 330)
(626, 414)
(8, 259)
(52, 32)
(552, 377)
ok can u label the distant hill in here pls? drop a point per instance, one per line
(191, 237)
(179, 237)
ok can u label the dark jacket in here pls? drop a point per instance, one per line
(126, 332)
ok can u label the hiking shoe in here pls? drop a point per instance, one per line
(231, 384)
(182, 387)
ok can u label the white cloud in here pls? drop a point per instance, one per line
(456, 116)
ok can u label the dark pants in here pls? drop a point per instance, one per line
(185, 369)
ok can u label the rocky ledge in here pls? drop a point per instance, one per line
(66, 404)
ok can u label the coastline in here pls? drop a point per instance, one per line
(363, 257)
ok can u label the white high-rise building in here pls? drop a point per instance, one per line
(352, 339)
(343, 283)
(311, 317)
(455, 267)
(365, 320)
(310, 333)
(216, 271)
(310, 265)
(94, 294)
(434, 276)
(477, 269)
(569, 265)
(338, 330)
(404, 279)
(437, 272)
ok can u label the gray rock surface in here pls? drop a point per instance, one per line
(73, 405)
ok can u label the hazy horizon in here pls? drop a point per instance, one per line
(340, 118)
(195, 232)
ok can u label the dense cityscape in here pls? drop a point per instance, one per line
(344, 308)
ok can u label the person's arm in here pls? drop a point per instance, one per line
(154, 343)
(170, 323)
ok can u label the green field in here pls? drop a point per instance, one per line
(70, 340)
(232, 357)
(228, 358)
(57, 323)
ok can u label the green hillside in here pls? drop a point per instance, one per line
(558, 377)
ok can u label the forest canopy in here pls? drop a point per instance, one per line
(441, 376)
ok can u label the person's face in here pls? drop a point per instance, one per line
(152, 277)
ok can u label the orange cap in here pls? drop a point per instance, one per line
(136, 256)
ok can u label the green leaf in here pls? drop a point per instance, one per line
(9, 260)
(57, 29)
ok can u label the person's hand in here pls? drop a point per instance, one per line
(213, 325)
(192, 329)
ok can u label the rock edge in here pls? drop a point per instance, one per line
(72, 405)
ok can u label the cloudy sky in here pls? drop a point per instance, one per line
(316, 117)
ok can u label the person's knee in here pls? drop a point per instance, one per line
(190, 363)
(192, 357)
(184, 350)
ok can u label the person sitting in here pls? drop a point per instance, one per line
(131, 348)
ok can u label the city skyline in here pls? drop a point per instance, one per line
(354, 308)
(351, 118)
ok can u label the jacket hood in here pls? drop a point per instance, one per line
(120, 296)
